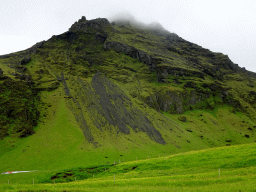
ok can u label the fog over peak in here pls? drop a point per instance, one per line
(155, 25)
(126, 18)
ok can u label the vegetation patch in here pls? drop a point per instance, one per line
(79, 174)
(19, 112)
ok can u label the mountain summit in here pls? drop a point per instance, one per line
(122, 81)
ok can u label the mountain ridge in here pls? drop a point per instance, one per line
(110, 74)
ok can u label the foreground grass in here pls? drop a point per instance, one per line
(197, 182)
(219, 169)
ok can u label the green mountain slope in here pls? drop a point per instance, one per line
(109, 89)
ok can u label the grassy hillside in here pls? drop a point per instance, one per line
(220, 169)
(100, 93)
(59, 142)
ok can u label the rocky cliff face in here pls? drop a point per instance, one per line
(95, 25)
(106, 105)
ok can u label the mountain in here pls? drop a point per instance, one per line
(122, 87)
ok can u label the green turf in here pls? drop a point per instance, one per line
(229, 168)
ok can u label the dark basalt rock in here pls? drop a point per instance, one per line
(41, 71)
(33, 49)
(121, 48)
(176, 81)
(2, 76)
(165, 71)
(83, 19)
(117, 114)
(90, 26)
(214, 72)
(22, 76)
(183, 119)
(194, 60)
(223, 62)
(68, 36)
(251, 74)
(20, 68)
(53, 86)
(109, 105)
(253, 93)
(100, 37)
(173, 49)
(190, 84)
(178, 102)
(106, 104)
(150, 61)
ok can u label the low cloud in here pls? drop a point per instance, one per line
(125, 18)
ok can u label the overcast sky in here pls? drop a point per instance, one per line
(226, 26)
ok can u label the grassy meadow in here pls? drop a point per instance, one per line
(230, 168)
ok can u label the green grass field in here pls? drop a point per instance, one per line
(230, 168)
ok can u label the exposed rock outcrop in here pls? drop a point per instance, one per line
(107, 104)
(199, 98)
(1, 72)
(2, 76)
(151, 61)
(90, 26)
